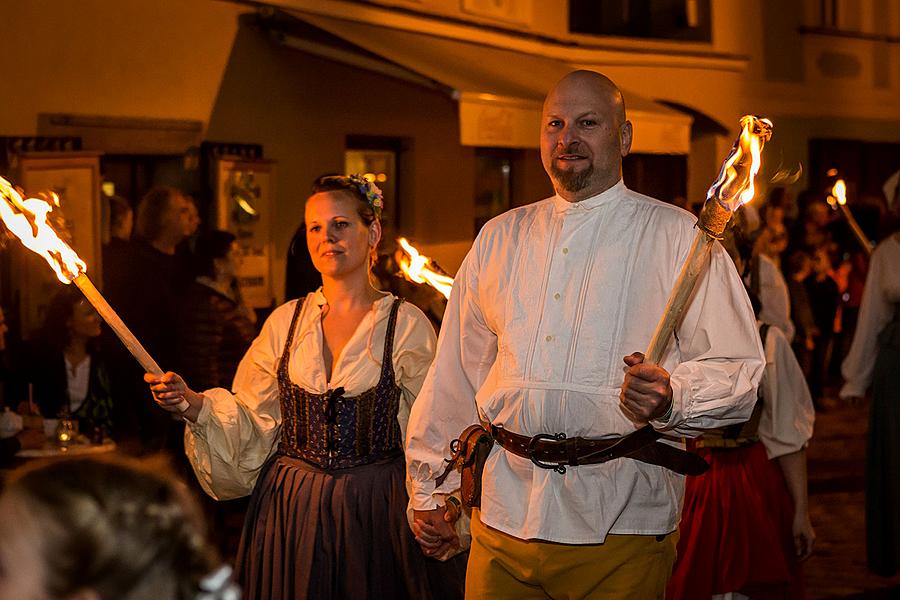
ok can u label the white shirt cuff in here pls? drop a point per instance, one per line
(675, 414)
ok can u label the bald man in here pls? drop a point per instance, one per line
(539, 343)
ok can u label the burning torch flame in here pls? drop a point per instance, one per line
(839, 191)
(415, 268)
(27, 220)
(734, 186)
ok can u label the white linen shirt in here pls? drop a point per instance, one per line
(78, 381)
(774, 297)
(881, 295)
(238, 430)
(786, 423)
(547, 303)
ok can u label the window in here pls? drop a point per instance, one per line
(661, 176)
(828, 13)
(376, 159)
(687, 20)
(493, 167)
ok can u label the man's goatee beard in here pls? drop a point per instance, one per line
(572, 181)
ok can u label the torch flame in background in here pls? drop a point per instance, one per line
(839, 191)
(415, 268)
(734, 186)
(838, 199)
(27, 220)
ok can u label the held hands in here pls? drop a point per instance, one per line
(435, 532)
(169, 390)
(646, 393)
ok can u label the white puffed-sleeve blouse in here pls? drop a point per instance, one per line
(238, 430)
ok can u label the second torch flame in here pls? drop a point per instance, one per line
(416, 269)
(27, 219)
(839, 192)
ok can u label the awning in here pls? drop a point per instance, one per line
(500, 92)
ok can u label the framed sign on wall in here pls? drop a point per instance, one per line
(244, 206)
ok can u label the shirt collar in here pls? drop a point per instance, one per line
(613, 193)
(319, 298)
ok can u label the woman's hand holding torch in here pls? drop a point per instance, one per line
(172, 393)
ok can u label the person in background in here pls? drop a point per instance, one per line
(745, 524)
(193, 216)
(214, 331)
(144, 295)
(873, 363)
(824, 298)
(314, 422)
(814, 231)
(799, 269)
(66, 367)
(25, 438)
(773, 238)
(116, 251)
(764, 278)
(215, 328)
(855, 268)
(86, 528)
(184, 250)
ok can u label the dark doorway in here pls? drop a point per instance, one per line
(132, 175)
(662, 176)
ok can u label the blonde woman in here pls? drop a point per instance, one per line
(314, 423)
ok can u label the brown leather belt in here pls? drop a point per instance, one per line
(557, 451)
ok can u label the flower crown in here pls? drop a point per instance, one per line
(371, 191)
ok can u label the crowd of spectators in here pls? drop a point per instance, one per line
(808, 271)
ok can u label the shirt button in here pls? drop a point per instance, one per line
(556, 296)
(565, 250)
(549, 338)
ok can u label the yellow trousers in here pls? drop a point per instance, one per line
(623, 567)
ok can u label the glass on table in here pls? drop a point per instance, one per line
(66, 430)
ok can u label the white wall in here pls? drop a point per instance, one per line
(124, 58)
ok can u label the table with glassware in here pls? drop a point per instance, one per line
(61, 437)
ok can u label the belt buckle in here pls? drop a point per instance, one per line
(559, 468)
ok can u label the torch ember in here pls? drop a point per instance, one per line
(28, 220)
(415, 268)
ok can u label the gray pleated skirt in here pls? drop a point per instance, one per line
(883, 457)
(326, 535)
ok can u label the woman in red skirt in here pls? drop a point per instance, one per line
(745, 524)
